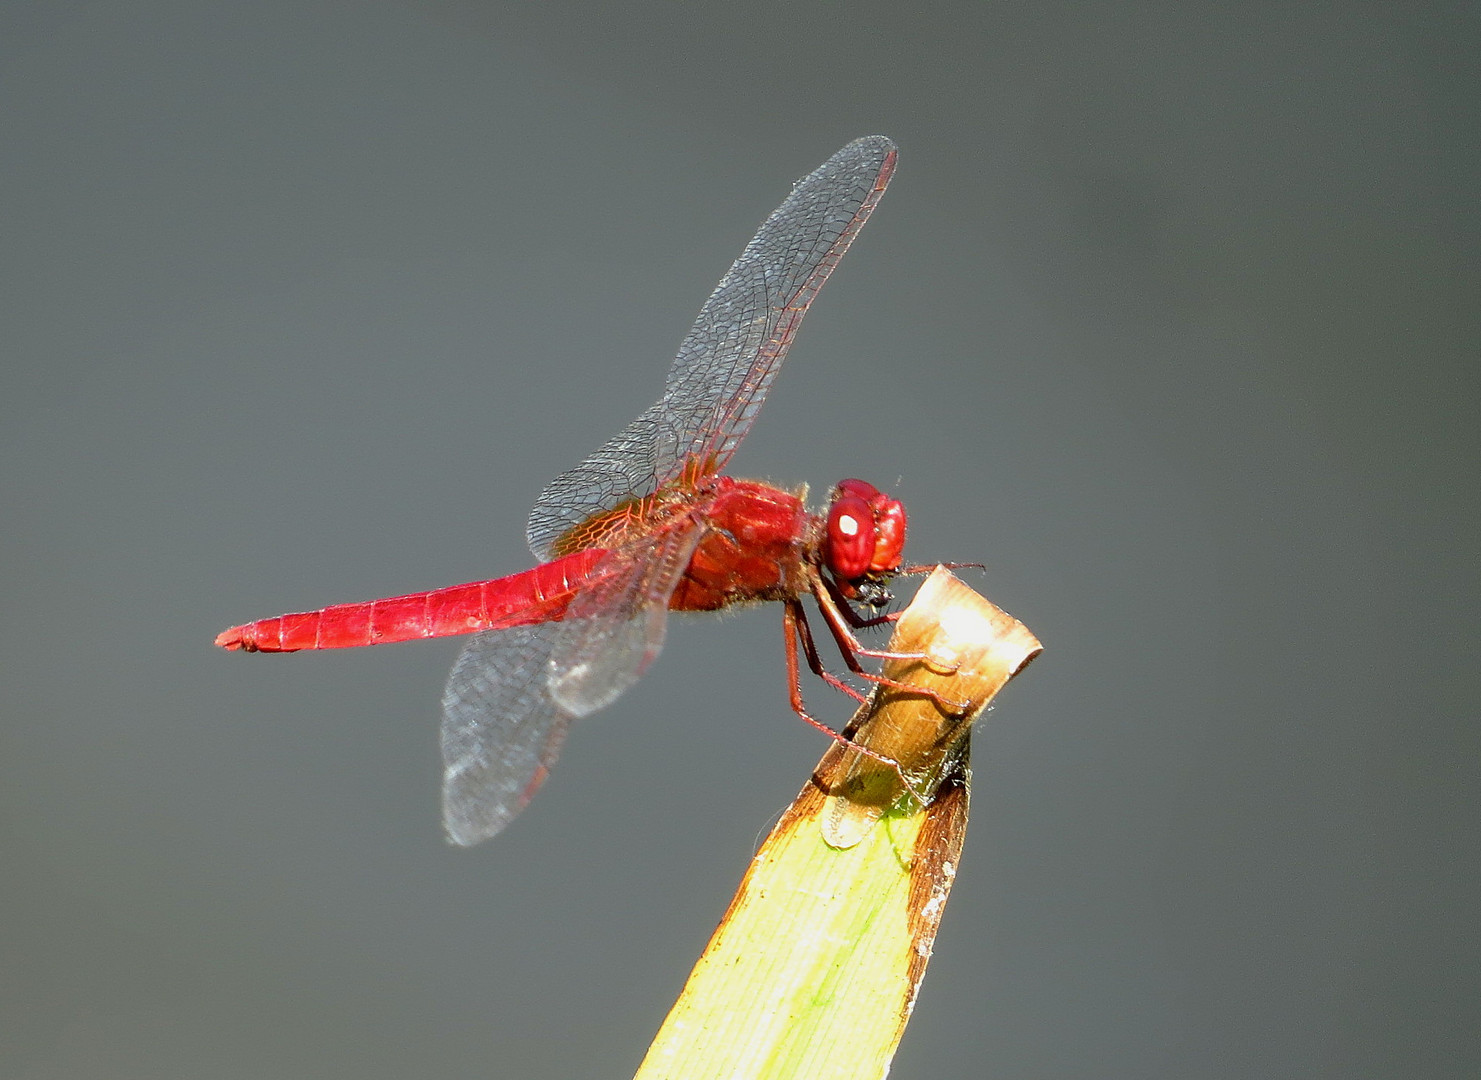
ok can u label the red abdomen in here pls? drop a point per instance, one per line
(537, 595)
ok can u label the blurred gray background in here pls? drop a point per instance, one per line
(1169, 317)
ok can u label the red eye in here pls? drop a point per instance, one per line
(889, 528)
(866, 532)
(862, 488)
(849, 545)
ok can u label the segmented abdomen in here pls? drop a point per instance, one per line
(540, 594)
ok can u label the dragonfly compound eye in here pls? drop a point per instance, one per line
(866, 532)
(889, 535)
(850, 542)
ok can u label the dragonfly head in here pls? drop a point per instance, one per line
(863, 540)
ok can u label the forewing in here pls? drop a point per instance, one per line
(501, 730)
(734, 350)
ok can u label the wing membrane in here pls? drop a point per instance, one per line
(734, 350)
(617, 625)
(501, 731)
(513, 693)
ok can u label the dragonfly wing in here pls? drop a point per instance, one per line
(617, 626)
(734, 350)
(628, 465)
(501, 730)
(513, 693)
(738, 342)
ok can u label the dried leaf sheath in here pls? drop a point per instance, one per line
(972, 648)
(815, 967)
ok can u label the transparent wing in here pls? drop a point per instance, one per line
(513, 693)
(617, 625)
(501, 730)
(734, 350)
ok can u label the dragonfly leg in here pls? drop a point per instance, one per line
(794, 616)
(860, 622)
(794, 620)
(851, 648)
(841, 617)
(849, 615)
(921, 569)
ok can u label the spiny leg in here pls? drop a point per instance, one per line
(840, 616)
(846, 611)
(860, 622)
(794, 620)
(851, 648)
(921, 569)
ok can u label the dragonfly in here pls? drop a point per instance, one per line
(650, 524)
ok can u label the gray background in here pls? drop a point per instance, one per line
(1169, 317)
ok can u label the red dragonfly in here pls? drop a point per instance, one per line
(646, 525)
